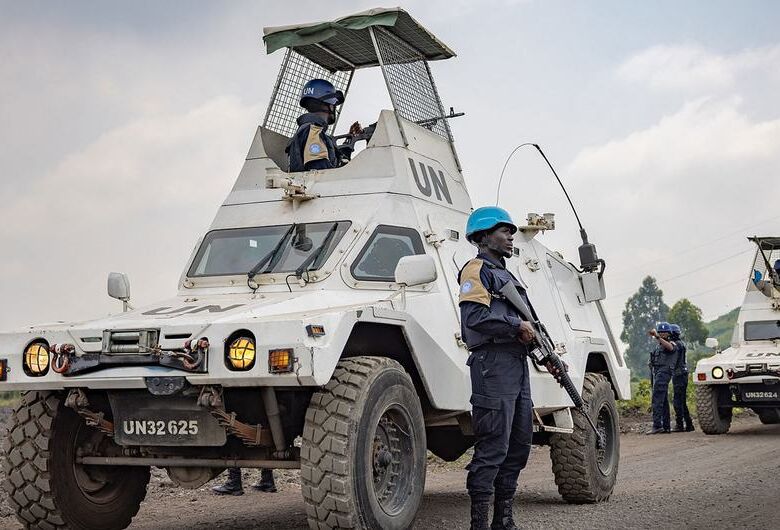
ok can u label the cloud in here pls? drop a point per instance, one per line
(693, 68)
(135, 200)
(702, 134)
(698, 173)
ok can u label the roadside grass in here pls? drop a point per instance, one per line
(9, 399)
(641, 399)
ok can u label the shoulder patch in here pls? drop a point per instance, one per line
(471, 288)
(315, 148)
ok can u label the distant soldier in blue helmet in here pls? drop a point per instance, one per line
(663, 360)
(311, 147)
(682, 416)
(496, 337)
(771, 283)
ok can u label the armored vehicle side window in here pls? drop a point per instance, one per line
(236, 251)
(387, 245)
(762, 330)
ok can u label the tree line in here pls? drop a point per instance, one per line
(646, 307)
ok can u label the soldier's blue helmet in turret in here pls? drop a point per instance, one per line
(488, 218)
(319, 90)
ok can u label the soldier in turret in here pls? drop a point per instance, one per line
(312, 147)
(771, 285)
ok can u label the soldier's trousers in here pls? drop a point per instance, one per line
(682, 415)
(502, 421)
(662, 375)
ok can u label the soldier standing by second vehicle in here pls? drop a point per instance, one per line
(682, 416)
(663, 360)
(233, 485)
(496, 336)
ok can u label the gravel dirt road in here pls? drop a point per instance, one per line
(666, 481)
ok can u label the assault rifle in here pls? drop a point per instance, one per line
(542, 351)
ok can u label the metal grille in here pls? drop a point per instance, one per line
(410, 83)
(296, 70)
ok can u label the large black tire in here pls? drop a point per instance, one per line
(712, 418)
(583, 472)
(45, 486)
(769, 416)
(363, 452)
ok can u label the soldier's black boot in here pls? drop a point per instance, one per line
(689, 426)
(679, 428)
(233, 484)
(266, 482)
(479, 514)
(502, 514)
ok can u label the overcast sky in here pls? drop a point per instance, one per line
(123, 125)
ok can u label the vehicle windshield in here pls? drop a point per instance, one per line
(237, 250)
(762, 330)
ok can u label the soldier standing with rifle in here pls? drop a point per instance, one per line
(498, 339)
(682, 416)
(663, 360)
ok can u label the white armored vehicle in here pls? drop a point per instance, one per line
(747, 373)
(316, 326)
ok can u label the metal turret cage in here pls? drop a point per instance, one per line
(388, 38)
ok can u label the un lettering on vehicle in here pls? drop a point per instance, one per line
(430, 182)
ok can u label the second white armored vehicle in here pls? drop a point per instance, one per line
(747, 373)
(316, 326)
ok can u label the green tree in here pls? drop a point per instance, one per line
(643, 309)
(688, 316)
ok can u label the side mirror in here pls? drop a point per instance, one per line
(415, 270)
(711, 342)
(119, 288)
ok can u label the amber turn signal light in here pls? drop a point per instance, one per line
(280, 360)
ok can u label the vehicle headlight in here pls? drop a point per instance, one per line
(241, 353)
(717, 373)
(36, 359)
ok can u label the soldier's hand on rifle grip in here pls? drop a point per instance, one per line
(526, 334)
(355, 128)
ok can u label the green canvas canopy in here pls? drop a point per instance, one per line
(345, 43)
(766, 243)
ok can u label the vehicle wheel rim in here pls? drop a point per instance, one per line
(392, 459)
(605, 455)
(97, 483)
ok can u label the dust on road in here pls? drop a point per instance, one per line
(669, 481)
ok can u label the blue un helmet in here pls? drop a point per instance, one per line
(320, 91)
(663, 327)
(675, 330)
(777, 265)
(487, 218)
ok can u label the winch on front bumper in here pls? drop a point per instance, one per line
(130, 348)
